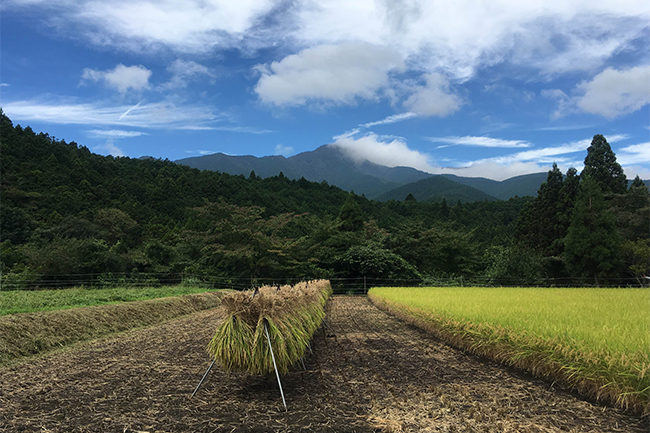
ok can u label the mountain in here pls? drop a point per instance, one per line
(327, 163)
(524, 185)
(435, 188)
(330, 164)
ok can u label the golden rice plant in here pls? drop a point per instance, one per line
(291, 314)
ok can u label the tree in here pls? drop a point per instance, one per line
(601, 166)
(444, 209)
(376, 263)
(638, 183)
(539, 224)
(351, 216)
(512, 265)
(592, 244)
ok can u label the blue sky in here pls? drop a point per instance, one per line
(493, 89)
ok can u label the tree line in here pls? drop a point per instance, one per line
(68, 215)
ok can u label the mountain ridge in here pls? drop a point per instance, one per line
(329, 163)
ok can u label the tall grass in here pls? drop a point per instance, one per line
(596, 341)
(291, 314)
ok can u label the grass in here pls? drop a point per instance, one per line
(31, 333)
(290, 315)
(594, 340)
(25, 301)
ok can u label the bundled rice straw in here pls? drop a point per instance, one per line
(292, 315)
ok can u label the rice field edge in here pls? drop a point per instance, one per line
(625, 387)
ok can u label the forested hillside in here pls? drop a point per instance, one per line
(70, 215)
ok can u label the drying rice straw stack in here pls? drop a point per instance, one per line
(292, 315)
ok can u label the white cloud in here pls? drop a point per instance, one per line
(532, 161)
(616, 92)
(184, 71)
(329, 73)
(634, 154)
(191, 26)
(434, 98)
(164, 115)
(550, 153)
(632, 171)
(390, 119)
(391, 152)
(281, 149)
(552, 36)
(565, 105)
(115, 133)
(457, 38)
(480, 141)
(121, 78)
(241, 129)
(4, 84)
(394, 151)
(109, 148)
(493, 170)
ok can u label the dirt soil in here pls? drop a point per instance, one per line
(369, 373)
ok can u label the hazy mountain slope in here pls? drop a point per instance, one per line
(524, 185)
(435, 188)
(327, 163)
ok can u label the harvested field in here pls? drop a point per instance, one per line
(369, 373)
(25, 334)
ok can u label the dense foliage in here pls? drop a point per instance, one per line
(69, 215)
(591, 225)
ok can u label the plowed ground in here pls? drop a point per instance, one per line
(369, 373)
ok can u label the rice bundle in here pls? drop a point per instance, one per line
(291, 314)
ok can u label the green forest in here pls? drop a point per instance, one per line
(70, 217)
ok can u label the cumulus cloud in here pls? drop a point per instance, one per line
(331, 73)
(388, 151)
(616, 92)
(121, 78)
(458, 37)
(480, 141)
(109, 148)
(434, 98)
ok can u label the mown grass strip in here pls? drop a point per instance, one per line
(290, 313)
(28, 334)
(547, 336)
(25, 301)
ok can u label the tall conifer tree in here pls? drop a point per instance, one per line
(601, 166)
